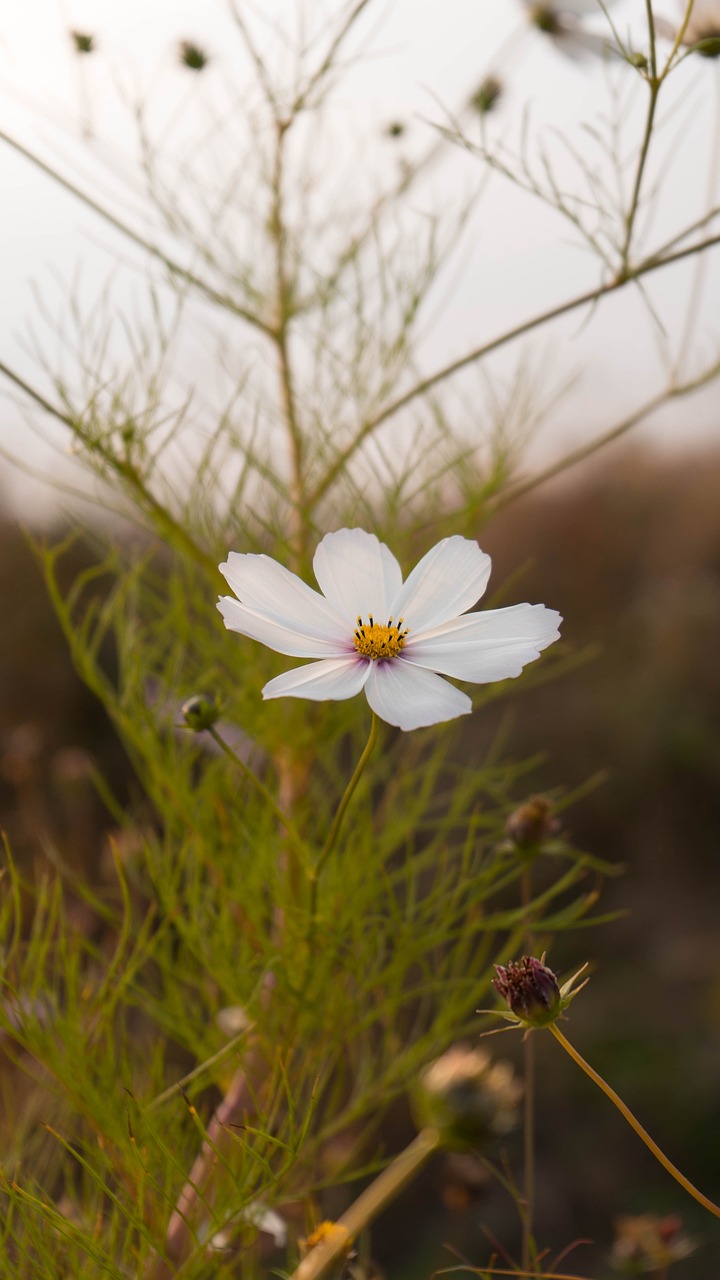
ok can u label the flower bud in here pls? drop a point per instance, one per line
(544, 17)
(469, 1098)
(708, 46)
(486, 95)
(200, 712)
(532, 824)
(192, 56)
(531, 990)
(83, 42)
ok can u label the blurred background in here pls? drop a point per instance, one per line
(627, 547)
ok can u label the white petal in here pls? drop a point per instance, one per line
(486, 646)
(411, 698)
(357, 573)
(277, 635)
(269, 588)
(333, 679)
(446, 582)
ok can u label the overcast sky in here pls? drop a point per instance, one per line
(421, 59)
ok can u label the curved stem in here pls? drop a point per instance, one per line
(634, 1124)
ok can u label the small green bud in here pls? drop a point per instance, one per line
(396, 129)
(638, 60)
(544, 17)
(486, 95)
(83, 41)
(200, 712)
(467, 1097)
(708, 46)
(192, 56)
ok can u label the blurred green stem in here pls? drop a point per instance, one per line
(347, 796)
(386, 1187)
(334, 831)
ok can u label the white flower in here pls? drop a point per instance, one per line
(370, 630)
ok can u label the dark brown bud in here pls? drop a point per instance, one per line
(532, 824)
(531, 990)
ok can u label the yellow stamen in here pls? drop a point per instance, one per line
(326, 1231)
(373, 640)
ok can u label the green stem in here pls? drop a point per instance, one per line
(634, 1124)
(334, 831)
(263, 791)
(368, 1205)
(654, 83)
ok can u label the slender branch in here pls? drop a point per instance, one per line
(329, 59)
(213, 295)
(425, 384)
(654, 83)
(146, 500)
(570, 459)
(650, 264)
(368, 1205)
(634, 1124)
(284, 290)
(260, 68)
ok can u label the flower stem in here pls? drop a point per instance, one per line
(635, 1124)
(334, 831)
(368, 1205)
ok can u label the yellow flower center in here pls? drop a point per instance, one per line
(375, 640)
